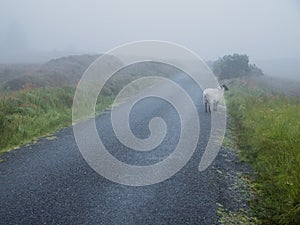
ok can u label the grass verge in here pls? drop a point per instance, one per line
(267, 131)
(28, 114)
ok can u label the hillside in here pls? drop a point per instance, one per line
(67, 71)
(57, 72)
(12, 71)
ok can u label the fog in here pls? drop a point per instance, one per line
(34, 30)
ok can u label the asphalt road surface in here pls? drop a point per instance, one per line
(50, 182)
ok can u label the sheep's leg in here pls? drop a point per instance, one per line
(215, 105)
(205, 101)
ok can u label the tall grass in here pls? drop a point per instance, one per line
(267, 129)
(27, 114)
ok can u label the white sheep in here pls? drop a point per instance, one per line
(212, 96)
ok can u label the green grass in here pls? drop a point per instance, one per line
(267, 131)
(28, 114)
(35, 112)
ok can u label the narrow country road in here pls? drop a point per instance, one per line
(50, 182)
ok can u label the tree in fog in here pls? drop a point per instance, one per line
(235, 65)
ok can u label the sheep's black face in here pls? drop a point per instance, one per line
(225, 87)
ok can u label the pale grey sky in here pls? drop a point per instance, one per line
(267, 29)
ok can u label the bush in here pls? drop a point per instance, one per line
(236, 65)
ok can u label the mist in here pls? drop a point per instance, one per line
(267, 31)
